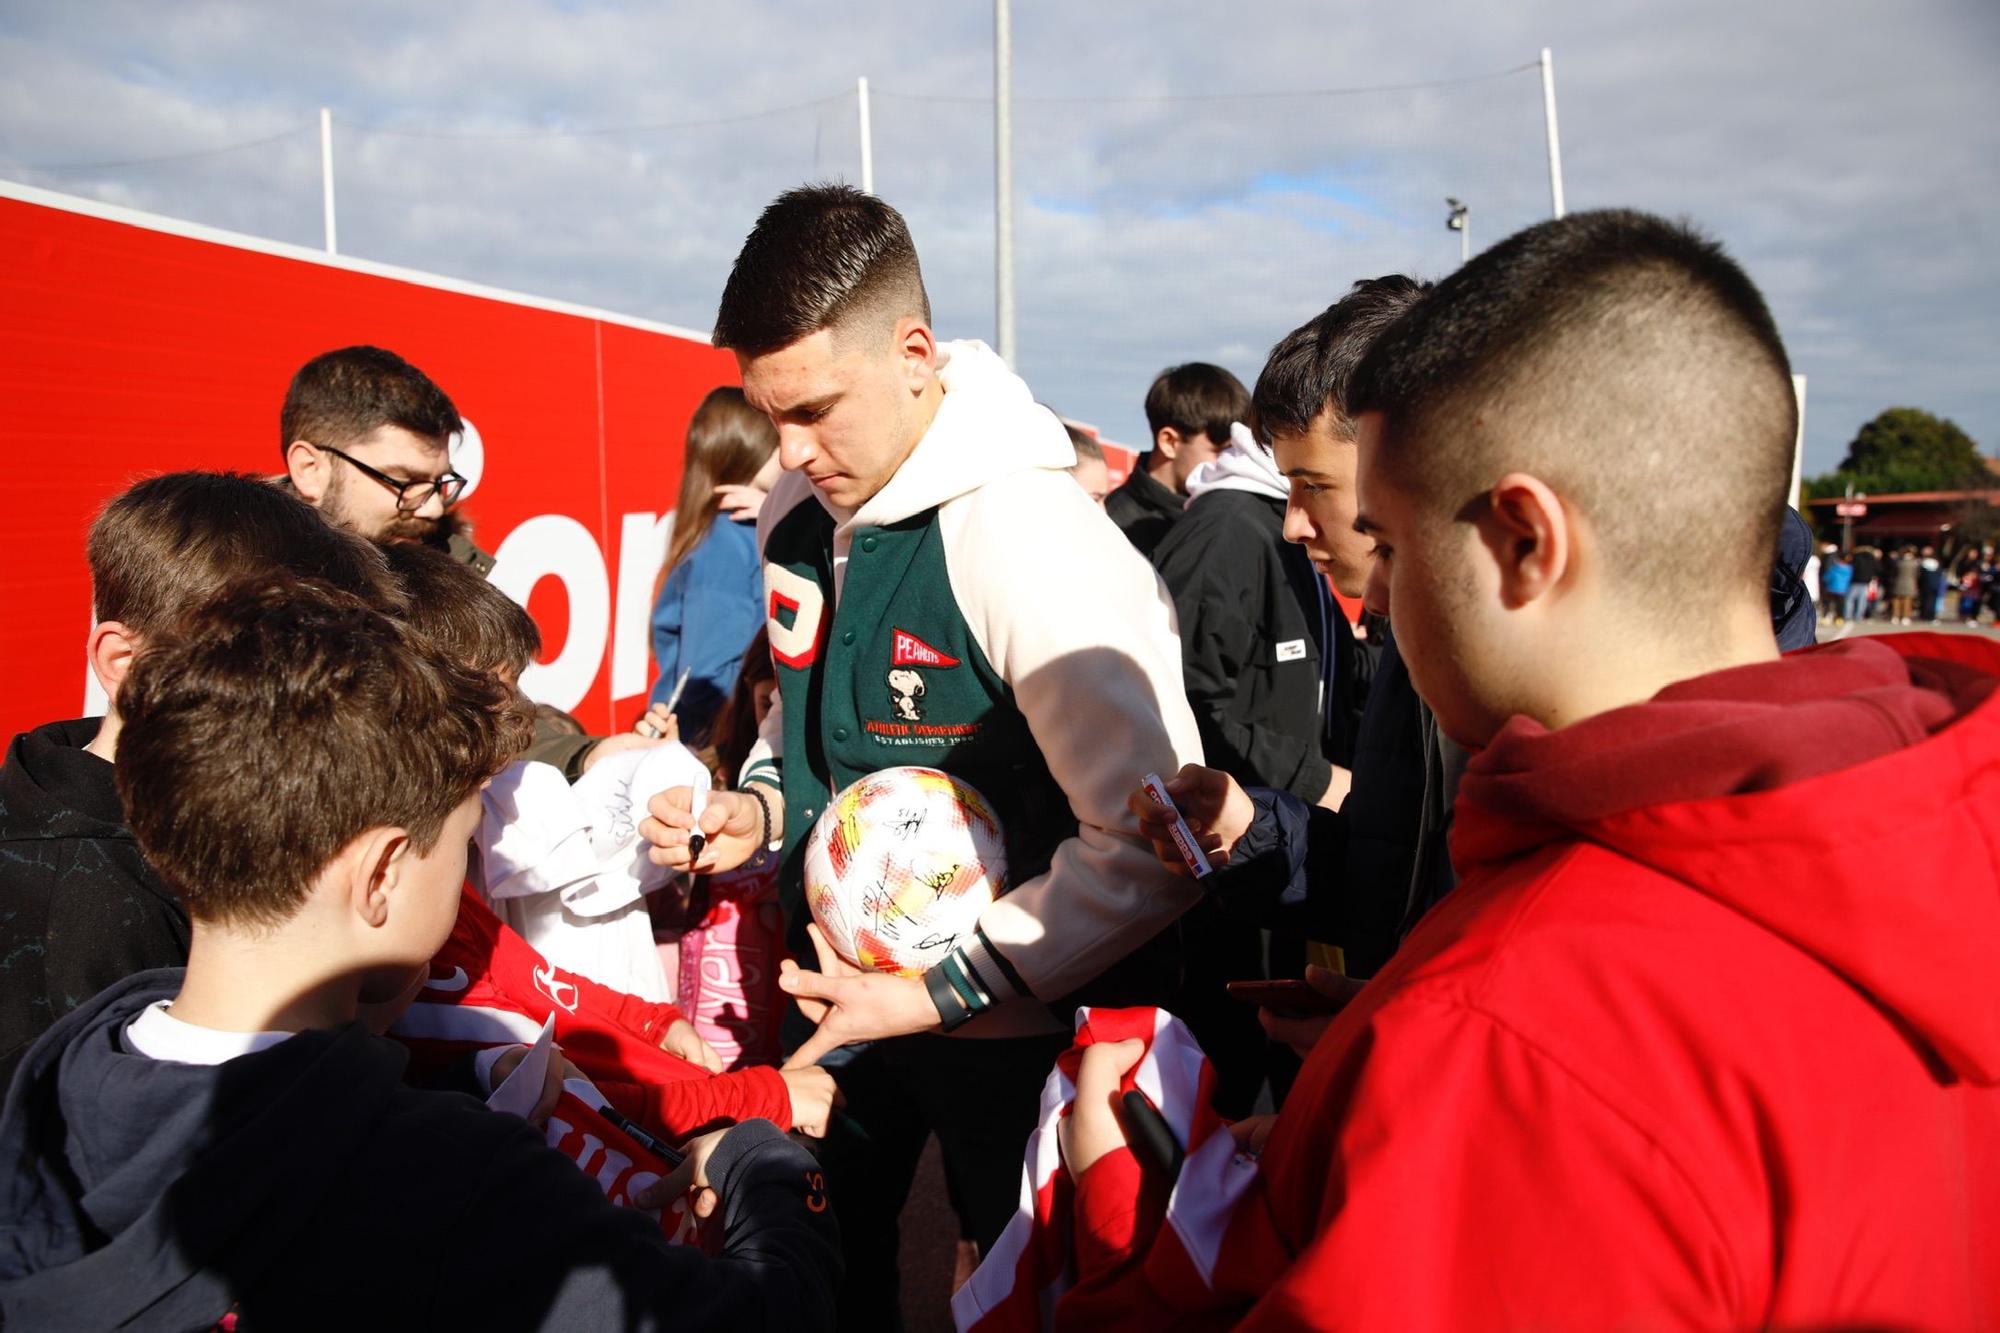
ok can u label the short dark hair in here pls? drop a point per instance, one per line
(1085, 444)
(285, 720)
(345, 395)
(169, 544)
(1196, 399)
(1624, 359)
(818, 254)
(455, 607)
(1308, 371)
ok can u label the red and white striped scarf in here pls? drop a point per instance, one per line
(1022, 1282)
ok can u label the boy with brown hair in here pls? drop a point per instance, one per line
(643, 1055)
(79, 907)
(231, 1140)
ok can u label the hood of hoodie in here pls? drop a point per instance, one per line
(1846, 798)
(987, 426)
(1244, 465)
(51, 787)
(139, 1186)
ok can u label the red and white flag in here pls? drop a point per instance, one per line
(1027, 1278)
(580, 1130)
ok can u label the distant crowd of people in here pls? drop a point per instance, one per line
(1903, 585)
(1484, 959)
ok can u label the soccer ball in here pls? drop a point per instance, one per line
(900, 865)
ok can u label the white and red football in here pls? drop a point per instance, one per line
(901, 864)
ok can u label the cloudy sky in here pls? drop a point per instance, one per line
(1848, 152)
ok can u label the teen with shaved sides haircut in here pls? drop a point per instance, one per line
(1189, 409)
(1674, 1053)
(927, 526)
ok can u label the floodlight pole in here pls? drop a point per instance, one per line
(1460, 221)
(867, 137)
(1003, 181)
(326, 174)
(1555, 143)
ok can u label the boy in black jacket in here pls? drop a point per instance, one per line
(304, 772)
(79, 907)
(1274, 675)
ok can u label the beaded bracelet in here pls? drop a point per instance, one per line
(763, 805)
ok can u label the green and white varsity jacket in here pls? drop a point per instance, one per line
(980, 615)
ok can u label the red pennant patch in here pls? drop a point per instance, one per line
(909, 650)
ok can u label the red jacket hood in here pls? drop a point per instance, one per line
(1846, 798)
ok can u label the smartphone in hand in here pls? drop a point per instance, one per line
(1292, 998)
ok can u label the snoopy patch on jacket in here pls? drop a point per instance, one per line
(910, 659)
(906, 693)
(907, 652)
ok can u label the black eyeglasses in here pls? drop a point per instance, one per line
(410, 495)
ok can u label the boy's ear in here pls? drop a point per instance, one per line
(374, 865)
(112, 647)
(1530, 535)
(1167, 442)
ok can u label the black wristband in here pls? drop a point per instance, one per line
(952, 1010)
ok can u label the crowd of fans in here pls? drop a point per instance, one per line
(1901, 587)
(1529, 985)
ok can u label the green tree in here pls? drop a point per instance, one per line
(1907, 449)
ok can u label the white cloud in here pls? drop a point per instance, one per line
(1847, 152)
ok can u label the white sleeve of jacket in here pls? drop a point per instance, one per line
(765, 761)
(1079, 625)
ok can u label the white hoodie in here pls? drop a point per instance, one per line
(1244, 465)
(1081, 629)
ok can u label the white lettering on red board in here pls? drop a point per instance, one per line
(557, 546)
(642, 549)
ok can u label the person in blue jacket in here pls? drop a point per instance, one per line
(709, 601)
(1836, 576)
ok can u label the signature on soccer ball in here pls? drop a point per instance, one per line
(939, 880)
(880, 904)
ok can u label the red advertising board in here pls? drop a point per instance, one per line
(132, 345)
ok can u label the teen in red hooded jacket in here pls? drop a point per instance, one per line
(1680, 1051)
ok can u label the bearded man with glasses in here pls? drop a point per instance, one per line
(366, 440)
